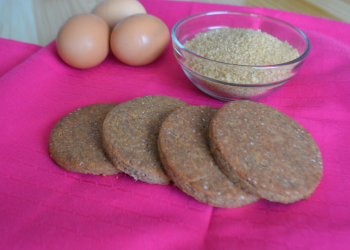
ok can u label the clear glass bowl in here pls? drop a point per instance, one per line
(276, 75)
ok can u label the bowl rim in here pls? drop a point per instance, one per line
(207, 13)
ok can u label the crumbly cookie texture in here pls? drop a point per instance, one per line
(185, 155)
(75, 142)
(265, 152)
(130, 135)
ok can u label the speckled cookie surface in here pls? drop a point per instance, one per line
(76, 141)
(130, 134)
(185, 155)
(265, 152)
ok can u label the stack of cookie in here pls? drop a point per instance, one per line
(228, 157)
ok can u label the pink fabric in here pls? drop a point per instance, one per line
(45, 207)
(12, 53)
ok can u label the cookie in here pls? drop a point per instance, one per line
(265, 152)
(130, 134)
(75, 142)
(186, 158)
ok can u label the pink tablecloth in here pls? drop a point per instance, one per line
(45, 207)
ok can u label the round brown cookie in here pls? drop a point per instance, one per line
(130, 134)
(76, 141)
(265, 152)
(186, 158)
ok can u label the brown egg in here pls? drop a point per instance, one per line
(139, 39)
(113, 11)
(83, 41)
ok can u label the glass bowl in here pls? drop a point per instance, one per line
(273, 77)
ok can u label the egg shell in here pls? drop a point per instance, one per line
(83, 41)
(113, 11)
(139, 39)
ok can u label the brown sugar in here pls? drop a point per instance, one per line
(240, 47)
